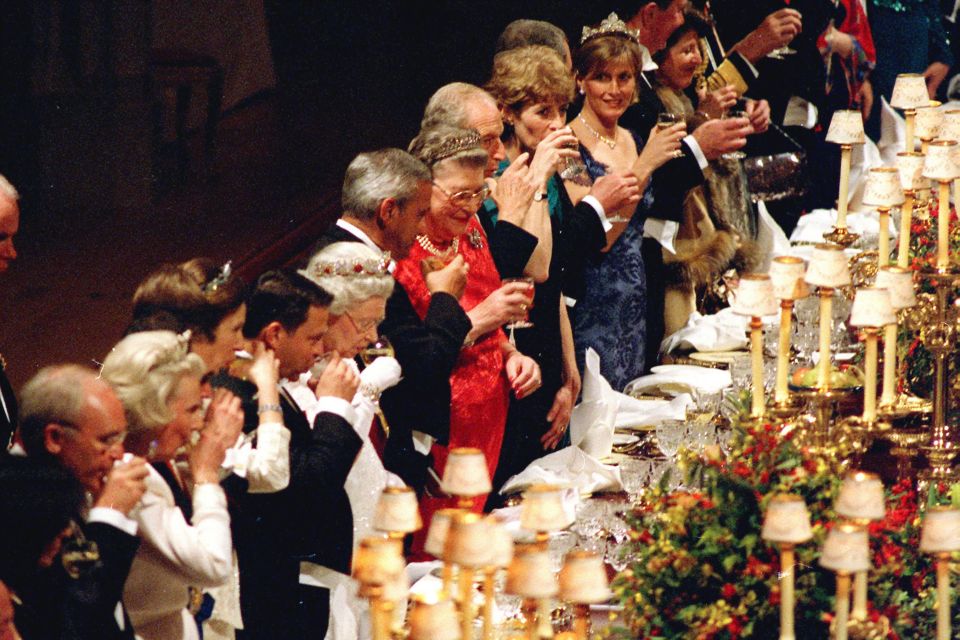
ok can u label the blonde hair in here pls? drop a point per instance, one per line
(348, 287)
(144, 369)
(528, 75)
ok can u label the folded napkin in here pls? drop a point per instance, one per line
(570, 467)
(682, 378)
(812, 226)
(723, 331)
(635, 412)
(591, 423)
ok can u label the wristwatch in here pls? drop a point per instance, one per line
(539, 196)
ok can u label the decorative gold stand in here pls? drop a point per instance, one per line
(841, 236)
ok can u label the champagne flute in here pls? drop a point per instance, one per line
(523, 323)
(778, 54)
(665, 120)
(380, 347)
(733, 114)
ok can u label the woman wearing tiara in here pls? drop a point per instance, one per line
(182, 519)
(489, 367)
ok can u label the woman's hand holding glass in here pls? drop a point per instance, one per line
(513, 191)
(715, 103)
(663, 144)
(265, 373)
(221, 428)
(552, 153)
(523, 373)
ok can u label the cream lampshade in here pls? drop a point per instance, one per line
(786, 520)
(583, 579)
(883, 188)
(899, 283)
(755, 296)
(846, 550)
(861, 497)
(910, 165)
(872, 308)
(828, 267)
(786, 274)
(437, 533)
(468, 543)
(378, 561)
(929, 120)
(950, 125)
(433, 618)
(940, 163)
(941, 530)
(397, 511)
(466, 473)
(910, 92)
(500, 543)
(543, 510)
(846, 127)
(530, 574)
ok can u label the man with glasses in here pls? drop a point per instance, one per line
(9, 224)
(69, 417)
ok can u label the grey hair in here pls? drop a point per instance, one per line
(441, 139)
(7, 189)
(524, 33)
(348, 290)
(449, 105)
(144, 369)
(54, 394)
(374, 176)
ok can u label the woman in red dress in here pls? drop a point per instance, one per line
(489, 366)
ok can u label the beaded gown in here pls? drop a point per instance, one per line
(479, 387)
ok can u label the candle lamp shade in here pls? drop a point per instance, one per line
(950, 126)
(468, 541)
(530, 574)
(861, 497)
(397, 511)
(500, 543)
(786, 520)
(929, 120)
(846, 550)
(786, 274)
(883, 188)
(755, 296)
(940, 163)
(910, 92)
(872, 308)
(437, 533)
(846, 128)
(378, 561)
(941, 530)
(583, 579)
(433, 618)
(543, 509)
(828, 267)
(466, 473)
(910, 165)
(899, 283)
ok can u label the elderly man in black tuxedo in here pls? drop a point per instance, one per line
(71, 418)
(9, 224)
(386, 194)
(310, 520)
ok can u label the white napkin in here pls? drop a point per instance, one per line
(651, 411)
(770, 238)
(722, 331)
(591, 423)
(812, 226)
(571, 467)
(683, 378)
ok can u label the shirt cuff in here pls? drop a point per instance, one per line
(697, 152)
(336, 406)
(593, 202)
(753, 69)
(114, 518)
(422, 442)
(208, 495)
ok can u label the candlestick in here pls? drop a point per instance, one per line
(940, 536)
(786, 521)
(940, 166)
(909, 93)
(872, 309)
(781, 392)
(787, 563)
(906, 217)
(755, 298)
(846, 550)
(826, 328)
(899, 283)
(870, 388)
(943, 227)
(883, 259)
(943, 596)
(843, 605)
(846, 151)
(883, 190)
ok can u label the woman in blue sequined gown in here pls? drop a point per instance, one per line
(610, 317)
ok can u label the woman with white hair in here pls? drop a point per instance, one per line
(183, 522)
(359, 280)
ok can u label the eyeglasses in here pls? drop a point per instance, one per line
(364, 325)
(465, 198)
(104, 442)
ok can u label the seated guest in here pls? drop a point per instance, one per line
(9, 224)
(183, 521)
(386, 194)
(359, 280)
(526, 33)
(70, 417)
(310, 519)
(38, 504)
(489, 367)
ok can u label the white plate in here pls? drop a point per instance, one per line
(623, 439)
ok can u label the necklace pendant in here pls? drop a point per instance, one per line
(475, 239)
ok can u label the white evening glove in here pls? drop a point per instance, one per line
(380, 375)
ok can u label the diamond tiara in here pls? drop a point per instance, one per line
(612, 26)
(452, 147)
(350, 268)
(220, 279)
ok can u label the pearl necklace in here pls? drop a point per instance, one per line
(431, 248)
(610, 142)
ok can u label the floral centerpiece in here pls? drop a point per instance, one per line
(699, 569)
